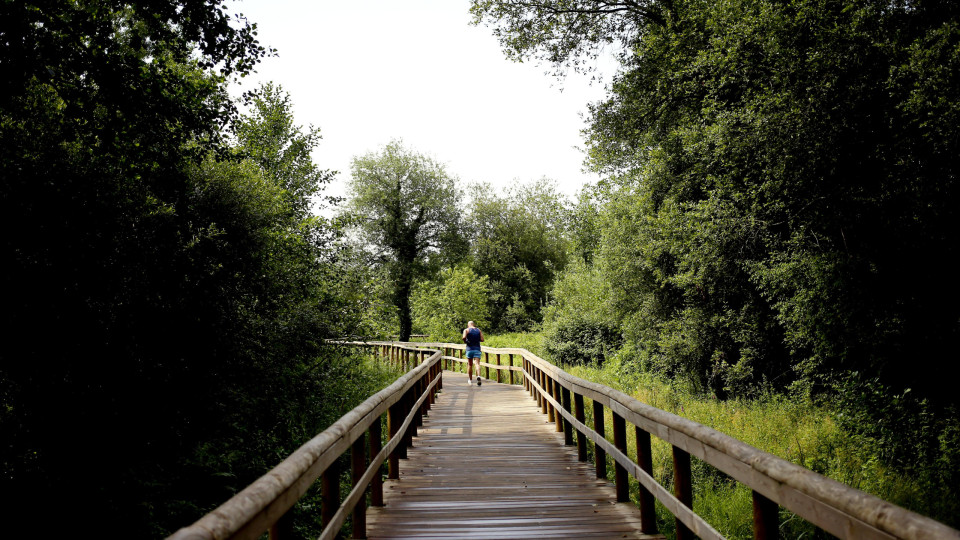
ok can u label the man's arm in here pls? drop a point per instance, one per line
(481, 334)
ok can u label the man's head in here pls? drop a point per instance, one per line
(471, 325)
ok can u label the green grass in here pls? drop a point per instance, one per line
(800, 432)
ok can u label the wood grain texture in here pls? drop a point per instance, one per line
(488, 464)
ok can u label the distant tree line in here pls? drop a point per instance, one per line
(430, 236)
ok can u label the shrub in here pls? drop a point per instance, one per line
(443, 308)
(578, 342)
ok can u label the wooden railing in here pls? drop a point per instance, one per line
(842, 511)
(263, 505)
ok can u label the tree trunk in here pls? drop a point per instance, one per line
(402, 298)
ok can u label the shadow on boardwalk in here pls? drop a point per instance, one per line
(487, 464)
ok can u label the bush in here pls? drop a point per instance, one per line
(578, 325)
(582, 342)
(443, 308)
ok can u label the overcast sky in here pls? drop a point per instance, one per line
(368, 72)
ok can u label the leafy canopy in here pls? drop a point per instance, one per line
(407, 207)
(442, 308)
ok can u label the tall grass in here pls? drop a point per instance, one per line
(802, 432)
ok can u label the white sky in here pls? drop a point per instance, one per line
(371, 71)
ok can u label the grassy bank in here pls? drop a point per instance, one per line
(801, 432)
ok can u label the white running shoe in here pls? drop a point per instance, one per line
(469, 382)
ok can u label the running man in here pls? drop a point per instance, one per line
(472, 336)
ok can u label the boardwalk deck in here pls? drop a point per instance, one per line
(486, 465)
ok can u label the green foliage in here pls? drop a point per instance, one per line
(802, 432)
(779, 207)
(910, 433)
(781, 184)
(565, 33)
(269, 137)
(579, 326)
(518, 240)
(366, 286)
(531, 341)
(167, 301)
(442, 308)
(582, 342)
(406, 205)
(584, 226)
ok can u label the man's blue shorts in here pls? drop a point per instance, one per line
(473, 354)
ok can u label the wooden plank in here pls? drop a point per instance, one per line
(488, 464)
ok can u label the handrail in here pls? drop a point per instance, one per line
(839, 509)
(842, 511)
(262, 506)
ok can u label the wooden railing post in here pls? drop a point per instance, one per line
(486, 360)
(376, 445)
(766, 518)
(498, 365)
(542, 381)
(428, 403)
(329, 494)
(567, 426)
(648, 516)
(405, 436)
(599, 454)
(358, 466)
(558, 418)
(579, 414)
(538, 378)
(282, 528)
(549, 389)
(682, 488)
(421, 387)
(394, 420)
(412, 430)
(619, 472)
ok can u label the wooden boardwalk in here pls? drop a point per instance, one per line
(487, 465)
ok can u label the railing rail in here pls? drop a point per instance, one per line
(842, 511)
(263, 505)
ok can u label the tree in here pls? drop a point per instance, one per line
(567, 33)
(407, 206)
(782, 197)
(269, 137)
(584, 225)
(782, 178)
(442, 308)
(518, 240)
(579, 322)
(166, 304)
